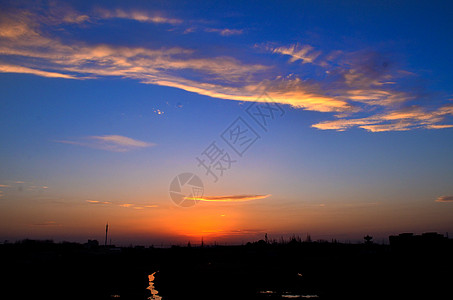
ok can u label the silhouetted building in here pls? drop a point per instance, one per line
(91, 244)
(409, 242)
(368, 240)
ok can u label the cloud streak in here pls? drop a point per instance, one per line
(137, 15)
(445, 199)
(114, 143)
(225, 31)
(296, 52)
(231, 198)
(98, 202)
(47, 223)
(396, 120)
(124, 205)
(4, 68)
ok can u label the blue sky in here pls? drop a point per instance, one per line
(104, 103)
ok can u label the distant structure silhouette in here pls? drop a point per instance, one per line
(91, 244)
(106, 233)
(431, 242)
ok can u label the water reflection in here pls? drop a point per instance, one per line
(288, 296)
(300, 296)
(154, 292)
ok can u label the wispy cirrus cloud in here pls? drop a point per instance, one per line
(445, 199)
(291, 91)
(122, 141)
(367, 81)
(124, 205)
(137, 15)
(231, 198)
(5, 68)
(115, 143)
(28, 187)
(396, 120)
(24, 38)
(47, 223)
(225, 31)
(296, 52)
(219, 77)
(98, 202)
(360, 88)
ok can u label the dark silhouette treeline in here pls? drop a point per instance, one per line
(47, 270)
(411, 266)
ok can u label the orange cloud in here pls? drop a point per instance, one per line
(397, 120)
(125, 205)
(232, 198)
(378, 96)
(137, 15)
(435, 126)
(289, 91)
(24, 70)
(97, 202)
(445, 199)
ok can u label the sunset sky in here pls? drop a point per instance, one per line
(329, 118)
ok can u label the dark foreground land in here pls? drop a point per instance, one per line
(412, 267)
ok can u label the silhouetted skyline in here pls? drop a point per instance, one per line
(264, 269)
